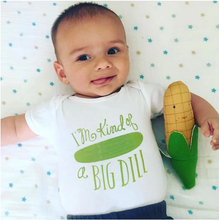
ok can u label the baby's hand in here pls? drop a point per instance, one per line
(210, 127)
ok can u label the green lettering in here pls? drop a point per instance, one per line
(97, 182)
(121, 126)
(143, 164)
(104, 185)
(81, 173)
(112, 176)
(130, 123)
(136, 161)
(111, 130)
(100, 129)
(75, 139)
(85, 135)
(133, 173)
(121, 170)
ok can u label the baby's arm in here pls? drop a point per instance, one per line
(207, 118)
(15, 129)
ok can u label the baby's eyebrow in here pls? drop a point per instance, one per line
(77, 50)
(117, 41)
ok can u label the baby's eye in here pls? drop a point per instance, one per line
(83, 58)
(113, 51)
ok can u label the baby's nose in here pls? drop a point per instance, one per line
(103, 63)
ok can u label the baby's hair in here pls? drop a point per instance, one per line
(77, 12)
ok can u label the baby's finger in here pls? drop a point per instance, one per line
(215, 137)
(206, 129)
(215, 147)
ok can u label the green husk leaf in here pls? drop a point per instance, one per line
(184, 157)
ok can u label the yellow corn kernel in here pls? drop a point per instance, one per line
(178, 113)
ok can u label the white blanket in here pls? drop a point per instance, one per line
(168, 41)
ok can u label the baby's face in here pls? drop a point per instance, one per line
(93, 55)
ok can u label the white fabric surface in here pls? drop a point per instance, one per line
(168, 41)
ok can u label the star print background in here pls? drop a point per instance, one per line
(168, 41)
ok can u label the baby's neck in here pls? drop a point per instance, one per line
(91, 97)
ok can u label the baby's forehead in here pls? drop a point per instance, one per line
(72, 24)
(69, 23)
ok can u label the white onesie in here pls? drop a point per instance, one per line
(107, 153)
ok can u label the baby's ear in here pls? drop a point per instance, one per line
(60, 72)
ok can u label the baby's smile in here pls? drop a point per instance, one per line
(103, 80)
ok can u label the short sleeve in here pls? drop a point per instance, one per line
(154, 94)
(42, 119)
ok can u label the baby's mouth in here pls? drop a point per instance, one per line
(102, 81)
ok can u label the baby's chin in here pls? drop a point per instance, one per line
(110, 92)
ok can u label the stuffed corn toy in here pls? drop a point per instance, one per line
(181, 132)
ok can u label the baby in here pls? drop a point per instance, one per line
(109, 162)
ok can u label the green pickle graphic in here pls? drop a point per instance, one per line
(108, 149)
